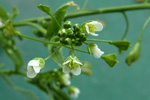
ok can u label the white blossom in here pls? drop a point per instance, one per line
(74, 91)
(34, 66)
(93, 49)
(93, 26)
(72, 64)
(66, 80)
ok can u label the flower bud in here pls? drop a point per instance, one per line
(76, 27)
(73, 91)
(67, 24)
(70, 33)
(134, 54)
(111, 59)
(62, 33)
(34, 67)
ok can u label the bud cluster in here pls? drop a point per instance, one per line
(69, 35)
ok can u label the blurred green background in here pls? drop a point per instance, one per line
(118, 83)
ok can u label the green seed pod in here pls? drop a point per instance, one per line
(76, 27)
(134, 54)
(67, 24)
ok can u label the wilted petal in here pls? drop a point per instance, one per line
(76, 71)
(31, 74)
(66, 69)
(97, 52)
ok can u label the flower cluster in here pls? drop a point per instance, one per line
(75, 36)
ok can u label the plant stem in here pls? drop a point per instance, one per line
(53, 43)
(85, 3)
(127, 25)
(96, 40)
(143, 29)
(52, 53)
(146, 1)
(85, 12)
(31, 24)
(76, 49)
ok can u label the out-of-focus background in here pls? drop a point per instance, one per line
(118, 83)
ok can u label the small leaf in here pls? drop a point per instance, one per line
(15, 12)
(111, 59)
(86, 68)
(3, 14)
(134, 54)
(45, 8)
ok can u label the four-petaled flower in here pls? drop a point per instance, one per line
(93, 26)
(34, 66)
(93, 49)
(72, 64)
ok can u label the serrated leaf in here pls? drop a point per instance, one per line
(45, 8)
(8, 45)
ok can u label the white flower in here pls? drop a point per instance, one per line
(93, 26)
(72, 64)
(73, 91)
(66, 80)
(93, 49)
(34, 66)
(1, 23)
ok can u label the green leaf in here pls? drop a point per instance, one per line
(53, 27)
(3, 14)
(27, 93)
(134, 54)
(86, 68)
(9, 46)
(57, 56)
(45, 8)
(111, 59)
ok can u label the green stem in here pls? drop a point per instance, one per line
(76, 49)
(55, 20)
(86, 12)
(31, 24)
(85, 3)
(10, 72)
(96, 40)
(72, 47)
(143, 29)
(53, 43)
(127, 25)
(52, 53)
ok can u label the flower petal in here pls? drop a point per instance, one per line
(37, 69)
(94, 34)
(99, 25)
(97, 52)
(87, 28)
(66, 69)
(66, 62)
(76, 71)
(31, 74)
(77, 62)
(33, 63)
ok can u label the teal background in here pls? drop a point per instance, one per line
(118, 83)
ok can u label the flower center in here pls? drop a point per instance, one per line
(92, 28)
(72, 65)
